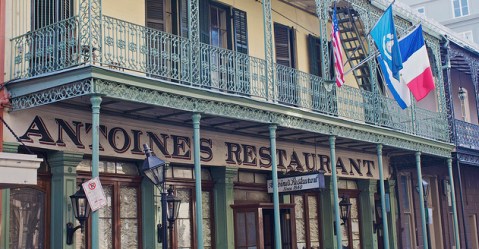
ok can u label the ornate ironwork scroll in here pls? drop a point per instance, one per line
(268, 50)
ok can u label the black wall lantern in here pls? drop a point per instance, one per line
(345, 208)
(81, 209)
(173, 203)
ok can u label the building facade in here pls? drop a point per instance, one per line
(462, 85)
(229, 93)
(462, 16)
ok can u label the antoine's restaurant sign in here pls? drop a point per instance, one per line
(47, 128)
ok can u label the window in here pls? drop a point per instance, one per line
(467, 35)
(307, 221)
(421, 11)
(28, 218)
(408, 234)
(46, 12)
(460, 8)
(184, 228)
(51, 47)
(120, 219)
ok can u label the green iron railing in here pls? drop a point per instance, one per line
(151, 53)
(467, 135)
(52, 48)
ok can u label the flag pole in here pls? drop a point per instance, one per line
(362, 62)
(366, 35)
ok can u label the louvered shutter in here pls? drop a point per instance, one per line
(204, 21)
(282, 41)
(155, 14)
(241, 31)
(66, 9)
(313, 49)
(184, 30)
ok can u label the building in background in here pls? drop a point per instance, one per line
(462, 79)
(461, 16)
(248, 75)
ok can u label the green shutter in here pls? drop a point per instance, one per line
(282, 45)
(240, 31)
(204, 21)
(314, 68)
(155, 14)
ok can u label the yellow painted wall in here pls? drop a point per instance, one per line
(127, 10)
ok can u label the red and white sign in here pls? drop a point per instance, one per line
(94, 193)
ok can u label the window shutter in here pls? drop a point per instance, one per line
(183, 10)
(204, 21)
(241, 31)
(43, 13)
(282, 43)
(66, 9)
(155, 14)
(314, 66)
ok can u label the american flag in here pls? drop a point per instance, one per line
(337, 51)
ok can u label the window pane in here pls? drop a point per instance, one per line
(129, 233)
(27, 220)
(355, 223)
(240, 229)
(183, 224)
(128, 217)
(105, 222)
(405, 192)
(465, 9)
(250, 223)
(300, 224)
(407, 232)
(313, 221)
(207, 220)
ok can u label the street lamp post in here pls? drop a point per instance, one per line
(155, 169)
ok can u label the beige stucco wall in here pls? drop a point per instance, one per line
(127, 10)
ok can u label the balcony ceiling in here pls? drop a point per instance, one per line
(138, 111)
(310, 5)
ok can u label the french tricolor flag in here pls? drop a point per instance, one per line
(416, 72)
(416, 75)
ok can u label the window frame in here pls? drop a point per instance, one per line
(43, 185)
(410, 212)
(117, 181)
(461, 14)
(467, 33)
(306, 217)
(205, 187)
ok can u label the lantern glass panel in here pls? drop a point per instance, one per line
(152, 175)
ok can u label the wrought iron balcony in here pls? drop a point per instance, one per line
(467, 135)
(127, 47)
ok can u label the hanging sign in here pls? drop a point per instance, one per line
(298, 183)
(94, 193)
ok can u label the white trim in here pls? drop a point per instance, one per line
(19, 168)
(467, 35)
